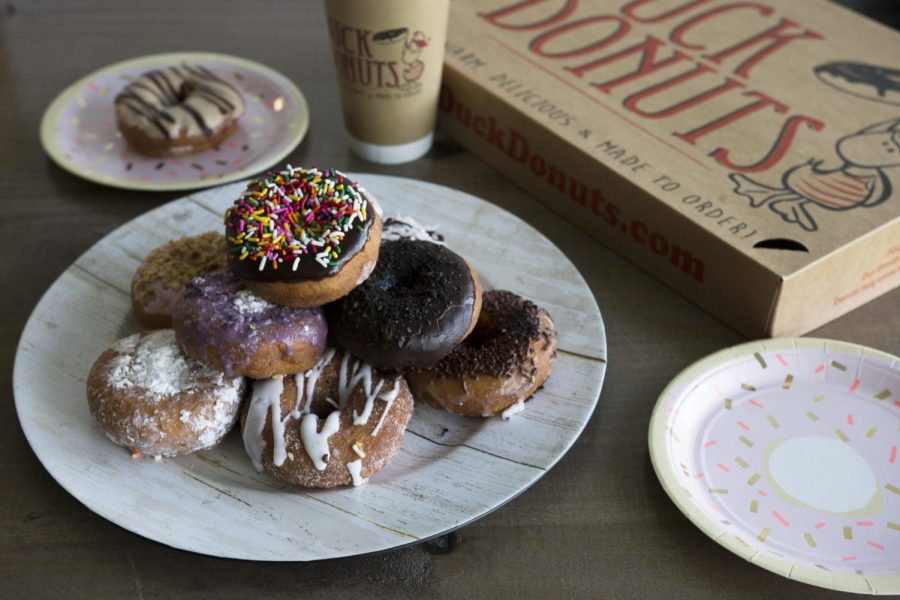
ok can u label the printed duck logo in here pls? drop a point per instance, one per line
(860, 181)
(409, 55)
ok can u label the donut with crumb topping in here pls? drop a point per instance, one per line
(152, 399)
(505, 359)
(159, 281)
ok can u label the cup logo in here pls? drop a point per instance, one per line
(382, 64)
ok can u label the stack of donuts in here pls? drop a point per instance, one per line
(315, 325)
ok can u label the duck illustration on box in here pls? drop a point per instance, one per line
(859, 183)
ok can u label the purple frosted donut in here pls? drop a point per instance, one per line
(229, 328)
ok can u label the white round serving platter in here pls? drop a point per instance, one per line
(785, 452)
(450, 471)
(79, 129)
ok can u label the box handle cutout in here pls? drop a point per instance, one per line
(781, 244)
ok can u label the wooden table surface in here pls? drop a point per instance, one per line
(598, 524)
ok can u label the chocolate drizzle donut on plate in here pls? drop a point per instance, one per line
(421, 300)
(178, 109)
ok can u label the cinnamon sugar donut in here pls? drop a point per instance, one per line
(151, 398)
(303, 237)
(178, 110)
(506, 358)
(226, 326)
(159, 281)
(332, 425)
(420, 302)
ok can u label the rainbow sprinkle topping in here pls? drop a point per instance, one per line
(288, 214)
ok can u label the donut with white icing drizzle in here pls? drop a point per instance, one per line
(178, 110)
(330, 426)
(151, 398)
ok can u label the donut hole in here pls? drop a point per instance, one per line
(183, 92)
(406, 283)
(321, 407)
(484, 335)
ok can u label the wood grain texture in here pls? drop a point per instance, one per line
(598, 525)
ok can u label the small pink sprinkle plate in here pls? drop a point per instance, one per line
(785, 452)
(79, 129)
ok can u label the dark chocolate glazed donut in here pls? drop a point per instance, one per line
(418, 304)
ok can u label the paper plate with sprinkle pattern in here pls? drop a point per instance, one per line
(786, 452)
(79, 129)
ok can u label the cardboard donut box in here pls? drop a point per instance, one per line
(745, 153)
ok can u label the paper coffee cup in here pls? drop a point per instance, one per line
(388, 56)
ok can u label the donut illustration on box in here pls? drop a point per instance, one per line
(860, 182)
(870, 82)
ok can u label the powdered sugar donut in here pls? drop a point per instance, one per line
(332, 425)
(151, 398)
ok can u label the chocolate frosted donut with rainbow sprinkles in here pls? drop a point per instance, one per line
(303, 237)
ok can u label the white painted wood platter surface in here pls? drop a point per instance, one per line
(451, 470)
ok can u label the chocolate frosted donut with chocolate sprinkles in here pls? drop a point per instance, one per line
(421, 300)
(506, 358)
